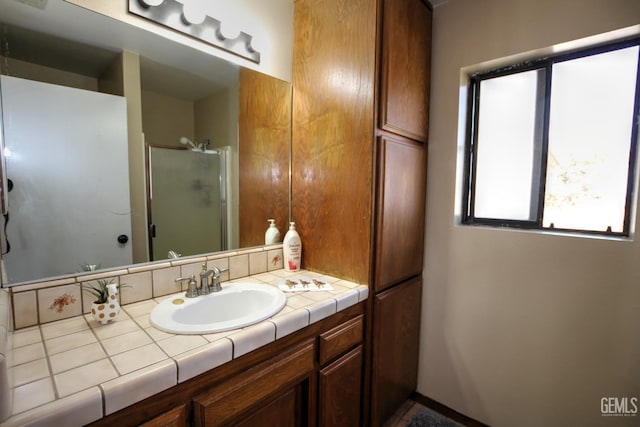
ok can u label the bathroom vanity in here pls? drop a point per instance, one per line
(303, 366)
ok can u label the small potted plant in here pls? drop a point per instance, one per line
(106, 306)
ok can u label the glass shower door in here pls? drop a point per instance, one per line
(185, 202)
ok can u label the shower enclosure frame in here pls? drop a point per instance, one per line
(224, 196)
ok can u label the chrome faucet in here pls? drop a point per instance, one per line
(204, 280)
(192, 290)
(215, 283)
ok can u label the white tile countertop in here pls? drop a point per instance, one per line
(75, 371)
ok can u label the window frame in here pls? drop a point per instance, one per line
(541, 143)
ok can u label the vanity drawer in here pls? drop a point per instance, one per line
(340, 339)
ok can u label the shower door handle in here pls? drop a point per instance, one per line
(152, 230)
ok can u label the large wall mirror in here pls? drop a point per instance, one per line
(121, 146)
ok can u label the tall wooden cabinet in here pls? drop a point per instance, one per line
(360, 125)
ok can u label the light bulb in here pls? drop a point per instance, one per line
(150, 3)
(193, 12)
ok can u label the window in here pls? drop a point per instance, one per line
(551, 144)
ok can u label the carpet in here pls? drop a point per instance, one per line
(427, 418)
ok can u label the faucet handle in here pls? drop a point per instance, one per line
(217, 271)
(192, 290)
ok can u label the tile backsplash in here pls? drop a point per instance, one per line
(51, 300)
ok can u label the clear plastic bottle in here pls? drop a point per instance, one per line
(272, 235)
(292, 249)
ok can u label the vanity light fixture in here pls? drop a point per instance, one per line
(187, 18)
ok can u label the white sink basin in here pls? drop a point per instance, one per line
(236, 306)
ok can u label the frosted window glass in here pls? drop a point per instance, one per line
(592, 102)
(506, 143)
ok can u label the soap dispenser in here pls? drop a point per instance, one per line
(272, 235)
(292, 249)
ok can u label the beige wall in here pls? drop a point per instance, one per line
(32, 71)
(166, 119)
(216, 118)
(519, 328)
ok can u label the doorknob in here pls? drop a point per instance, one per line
(123, 238)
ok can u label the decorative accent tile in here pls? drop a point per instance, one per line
(238, 266)
(140, 357)
(202, 359)
(60, 302)
(181, 343)
(138, 287)
(84, 377)
(80, 409)
(257, 262)
(164, 281)
(290, 322)
(123, 391)
(321, 310)
(25, 309)
(76, 357)
(252, 337)
(275, 259)
(32, 394)
(125, 342)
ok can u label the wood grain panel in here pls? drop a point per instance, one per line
(340, 339)
(402, 177)
(281, 412)
(340, 391)
(396, 336)
(176, 417)
(222, 403)
(333, 84)
(264, 143)
(405, 68)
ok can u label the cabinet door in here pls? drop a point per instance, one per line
(406, 65)
(281, 412)
(264, 385)
(401, 198)
(340, 391)
(396, 330)
(176, 417)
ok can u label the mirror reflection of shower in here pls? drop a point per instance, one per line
(202, 146)
(192, 181)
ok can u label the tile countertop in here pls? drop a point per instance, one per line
(75, 371)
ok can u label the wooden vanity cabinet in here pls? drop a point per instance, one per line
(312, 377)
(340, 378)
(396, 335)
(405, 68)
(401, 201)
(267, 391)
